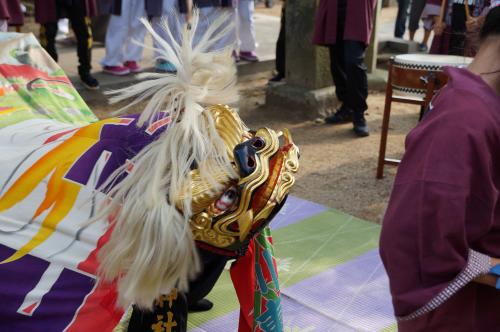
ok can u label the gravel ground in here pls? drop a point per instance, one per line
(337, 169)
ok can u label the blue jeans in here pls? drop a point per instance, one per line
(400, 28)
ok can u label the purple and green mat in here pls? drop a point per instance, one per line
(331, 275)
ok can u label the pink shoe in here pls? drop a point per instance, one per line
(248, 56)
(132, 66)
(116, 70)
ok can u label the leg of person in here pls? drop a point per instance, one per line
(425, 41)
(281, 51)
(208, 15)
(457, 38)
(48, 32)
(400, 27)
(169, 314)
(4, 25)
(83, 33)
(170, 10)
(412, 34)
(116, 38)
(357, 84)
(213, 265)
(246, 30)
(337, 68)
(133, 51)
(416, 9)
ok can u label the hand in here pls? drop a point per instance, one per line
(439, 28)
(487, 279)
(494, 261)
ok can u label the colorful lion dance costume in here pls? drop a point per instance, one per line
(119, 224)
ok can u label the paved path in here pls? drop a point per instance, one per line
(267, 30)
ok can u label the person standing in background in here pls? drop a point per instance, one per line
(208, 12)
(345, 27)
(401, 18)
(10, 14)
(122, 53)
(281, 49)
(246, 30)
(48, 12)
(4, 16)
(440, 239)
(416, 9)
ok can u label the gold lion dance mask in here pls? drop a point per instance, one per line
(266, 162)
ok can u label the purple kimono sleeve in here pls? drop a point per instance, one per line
(477, 264)
(442, 206)
(424, 246)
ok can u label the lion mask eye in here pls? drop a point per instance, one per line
(228, 199)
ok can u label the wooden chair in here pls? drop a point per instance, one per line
(418, 83)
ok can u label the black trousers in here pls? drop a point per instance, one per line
(458, 28)
(348, 67)
(172, 310)
(416, 9)
(349, 74)
(80, 23)
(281, 46)
(401, 18)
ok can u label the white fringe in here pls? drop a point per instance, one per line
(151, 249)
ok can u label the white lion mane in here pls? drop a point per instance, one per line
(151, 249)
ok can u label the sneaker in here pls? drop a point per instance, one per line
(359, 125)
(248, 56)
(133, 66)
(163, 66)
(342, 115)
(116, 70)
(277, 78)
(423, 48)
(89, 81)
(361, 130)
(200, 306)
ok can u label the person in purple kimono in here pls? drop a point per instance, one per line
(345, 27)
(440, 240)
(47, 13)
(10, 14)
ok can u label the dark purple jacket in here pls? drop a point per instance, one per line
(4, 10)
(445, 203)
(205, 3)
(11, 10)
(46, 10)
(358, 25)
(114, 7)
